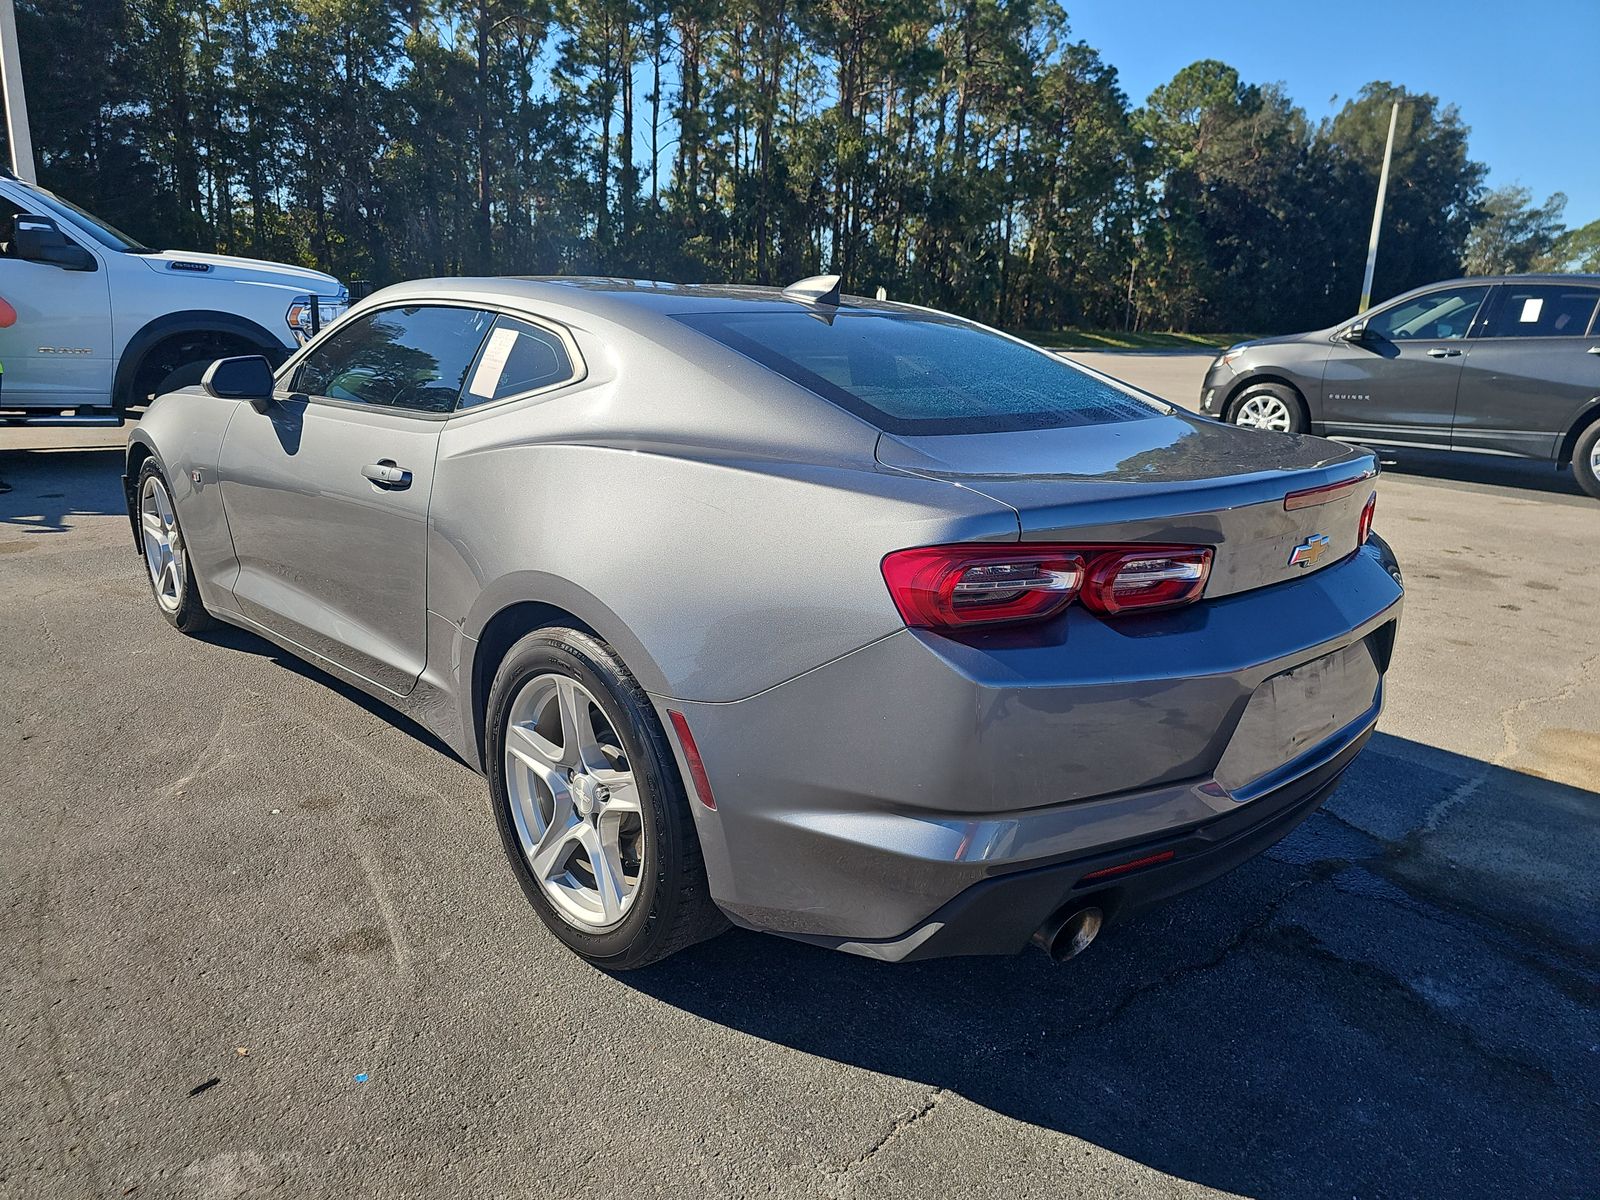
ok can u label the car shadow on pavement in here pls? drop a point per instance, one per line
(1483, 469)
(1402, 998)
(232, 637)
(49, 487)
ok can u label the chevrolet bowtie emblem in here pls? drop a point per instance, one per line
(1308, 551)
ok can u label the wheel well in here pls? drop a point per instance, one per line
(504, 630)
(178, 350)
(162, 336)
(1580, 427)
(137, 453)
(1256, 380)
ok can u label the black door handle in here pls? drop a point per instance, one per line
(386, 475)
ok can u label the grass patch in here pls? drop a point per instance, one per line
(1106, 339)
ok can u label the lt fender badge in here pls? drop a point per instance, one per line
(1308, 551)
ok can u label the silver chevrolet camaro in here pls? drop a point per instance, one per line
(842, 619)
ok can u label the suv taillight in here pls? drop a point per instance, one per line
(1364, 530)
(956, 587)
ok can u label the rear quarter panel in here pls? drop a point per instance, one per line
(713, 579)
(723, 529)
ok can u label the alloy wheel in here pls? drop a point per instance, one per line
(1264, 411)
(575, 802)
(163, 545)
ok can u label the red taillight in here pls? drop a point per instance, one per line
(1364, 530)
(942, 587)
(1157, 577)
(953, 587)
(691, 754)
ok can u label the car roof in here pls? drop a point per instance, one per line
(1523, 277)
(1588, 279)
(620, 299)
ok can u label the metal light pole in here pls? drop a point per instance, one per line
(1377, 211)
(17, 136)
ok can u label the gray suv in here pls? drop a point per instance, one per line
(1496, 366)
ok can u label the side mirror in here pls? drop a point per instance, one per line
(247, 378)
(40, 240)
(1356, 332)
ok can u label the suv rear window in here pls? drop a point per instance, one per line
(916, 374)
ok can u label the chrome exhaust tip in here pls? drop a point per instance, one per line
(1068, 936)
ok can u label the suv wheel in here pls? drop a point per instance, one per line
(1269, 406)
(592, 811)
(1586, 460)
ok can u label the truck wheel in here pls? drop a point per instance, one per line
(1586, 460)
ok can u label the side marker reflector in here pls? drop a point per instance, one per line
(1149, 860)
(691, 752)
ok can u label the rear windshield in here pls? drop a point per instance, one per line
(919, 374)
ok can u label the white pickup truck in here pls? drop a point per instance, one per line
(92, 323)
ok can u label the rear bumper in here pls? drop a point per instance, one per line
(871, 803)
(1000, 915)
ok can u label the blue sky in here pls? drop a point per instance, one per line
(1523, 75)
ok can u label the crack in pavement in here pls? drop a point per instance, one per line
(898, 1126)
(1309, 944)
(1243, 935)
(1510, 747)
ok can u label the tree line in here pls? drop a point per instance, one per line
(968, 154)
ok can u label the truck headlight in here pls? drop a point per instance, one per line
(309, 315)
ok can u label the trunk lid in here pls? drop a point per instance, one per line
(1170, 478)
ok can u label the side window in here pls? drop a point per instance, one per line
(518, 358)
(1438, 315)
(1541, 310)
(409, 358)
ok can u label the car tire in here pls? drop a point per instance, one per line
(1586, 460)
(167, 563)
(1269, 406)
(562, 804)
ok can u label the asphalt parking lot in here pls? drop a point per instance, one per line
(257, 936)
